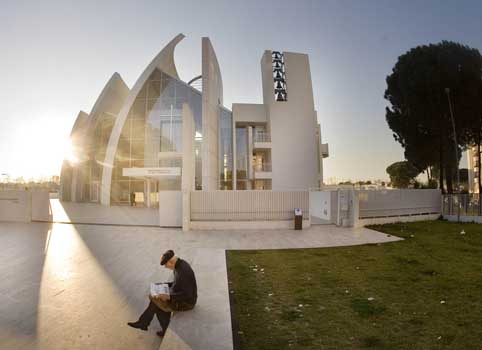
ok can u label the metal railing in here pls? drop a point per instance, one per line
(261, 136)
(266, 167)
(398, 202)
(248, 205)
(461, 204)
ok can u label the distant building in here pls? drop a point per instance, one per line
(164, 132)
(55, 179)
(473, 162)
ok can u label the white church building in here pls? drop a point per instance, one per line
(165, 134)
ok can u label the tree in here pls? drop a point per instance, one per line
(419, 113)
(431, 183)
(402, 174)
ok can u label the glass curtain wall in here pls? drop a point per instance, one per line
(152, 137)
(98, 144)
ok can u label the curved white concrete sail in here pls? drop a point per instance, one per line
(110, 100)
(212, 99)
(164, 61)
(108, 104)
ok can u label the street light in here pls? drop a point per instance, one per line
(447, 91)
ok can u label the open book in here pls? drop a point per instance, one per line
(159, 288)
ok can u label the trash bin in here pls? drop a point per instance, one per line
(298, 219)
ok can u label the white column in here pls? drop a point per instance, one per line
(235, 177)
(250, 172)
(148, 190)
(355, 208)
(188, 165)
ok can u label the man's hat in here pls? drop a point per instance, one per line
(167, 256)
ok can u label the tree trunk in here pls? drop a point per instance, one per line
(449, 177)
(441, 168)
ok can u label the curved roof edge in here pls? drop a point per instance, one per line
(79, 122)
(211, 73)
(163, 61)
(110, 100)
(212, 98)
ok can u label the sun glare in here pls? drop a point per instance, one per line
(69, 154)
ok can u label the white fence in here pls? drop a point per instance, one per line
(248, 205)
(464, 207)
(354, 207)
(401, 202)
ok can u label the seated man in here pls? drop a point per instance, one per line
(182, 297)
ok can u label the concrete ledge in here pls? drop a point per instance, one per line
(464, 218)
(208, 325)
(246, 225)
(172, 341)
(393, 219)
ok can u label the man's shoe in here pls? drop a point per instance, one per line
(160, 333)
(137, 325)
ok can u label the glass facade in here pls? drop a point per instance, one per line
(152, 137)
(99, 141)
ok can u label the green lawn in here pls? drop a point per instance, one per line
(426, 290)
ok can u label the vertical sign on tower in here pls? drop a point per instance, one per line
(279, 76)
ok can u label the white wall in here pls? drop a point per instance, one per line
(247, 225)
(15, 206)
(320, 204)
(393, 219)
(349, 207)
(170, 208)
(41, 209)
(24, 206)
(293, 125)
(249, 113)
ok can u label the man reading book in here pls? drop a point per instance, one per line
(182, 295)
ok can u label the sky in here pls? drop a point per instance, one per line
(56, 56)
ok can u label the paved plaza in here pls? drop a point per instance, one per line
(68, 286)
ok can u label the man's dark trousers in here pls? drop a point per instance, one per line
(164, 317)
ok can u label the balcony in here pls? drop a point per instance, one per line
(262, 171)
(261, 140)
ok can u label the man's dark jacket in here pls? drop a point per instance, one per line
(184, 288)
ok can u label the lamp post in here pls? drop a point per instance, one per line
(447, 91)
